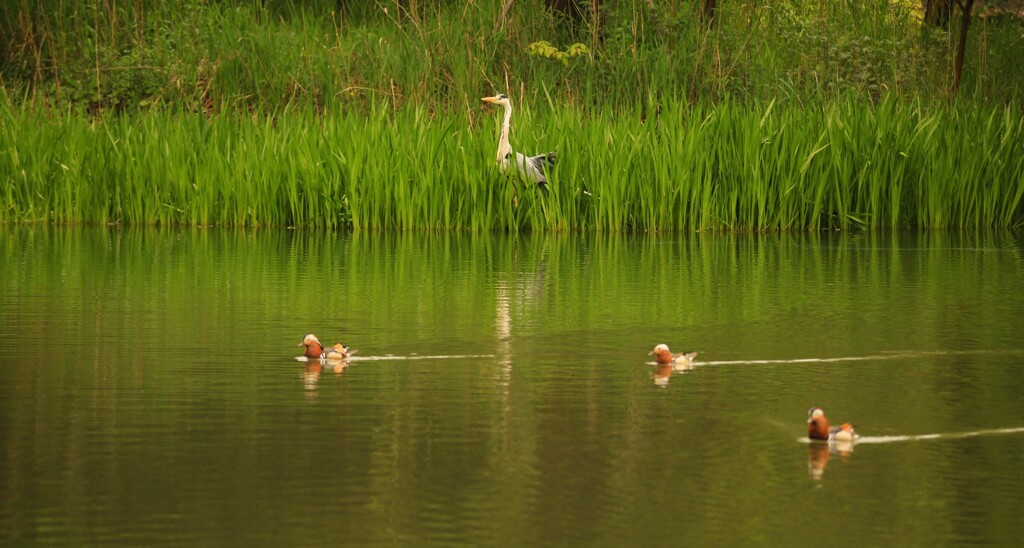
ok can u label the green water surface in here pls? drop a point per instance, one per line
(502, 393)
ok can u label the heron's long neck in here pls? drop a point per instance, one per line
(504, 148)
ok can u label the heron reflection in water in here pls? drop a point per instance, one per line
(513, 296)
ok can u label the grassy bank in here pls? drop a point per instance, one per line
(780, 115)
(214, 56)
(726, 166)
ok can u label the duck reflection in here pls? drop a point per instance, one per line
(313, 370)
(817, 460)
(663, 374)
(819, 453)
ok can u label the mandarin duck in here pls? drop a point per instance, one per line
(664, 356)
(317, 351)
(818, 429)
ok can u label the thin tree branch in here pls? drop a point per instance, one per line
(506, 6)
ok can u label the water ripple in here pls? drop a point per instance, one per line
(886, 356)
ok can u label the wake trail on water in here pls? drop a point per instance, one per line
(417, 357)
(918, 437)
(945, 436)
(885, 356)
(351, 359)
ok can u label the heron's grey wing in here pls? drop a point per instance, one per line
(533, 166)
(541, 159)
(526, 167)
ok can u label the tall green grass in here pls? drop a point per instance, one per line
(724, 167)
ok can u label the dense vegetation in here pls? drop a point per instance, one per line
(210, 55)
(366, 114)
(693, 168)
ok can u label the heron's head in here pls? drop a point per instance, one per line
(499, 99)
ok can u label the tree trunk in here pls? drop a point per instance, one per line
(339, 11)
(576, 12)
(965, 23)
(573, 9)
(707, 12)
(937, 12)
(503, 16)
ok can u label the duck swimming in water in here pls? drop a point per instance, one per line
(664, 356)
(818, 429)
(317, 351)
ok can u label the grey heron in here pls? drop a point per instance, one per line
(530, 166)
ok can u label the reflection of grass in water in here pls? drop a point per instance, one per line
(740, 168)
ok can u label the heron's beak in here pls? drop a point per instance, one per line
(489, 99)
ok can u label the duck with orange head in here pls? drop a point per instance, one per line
(664, 356)
(818, 428)
(315, 350)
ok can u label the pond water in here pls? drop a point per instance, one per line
(502, 392)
